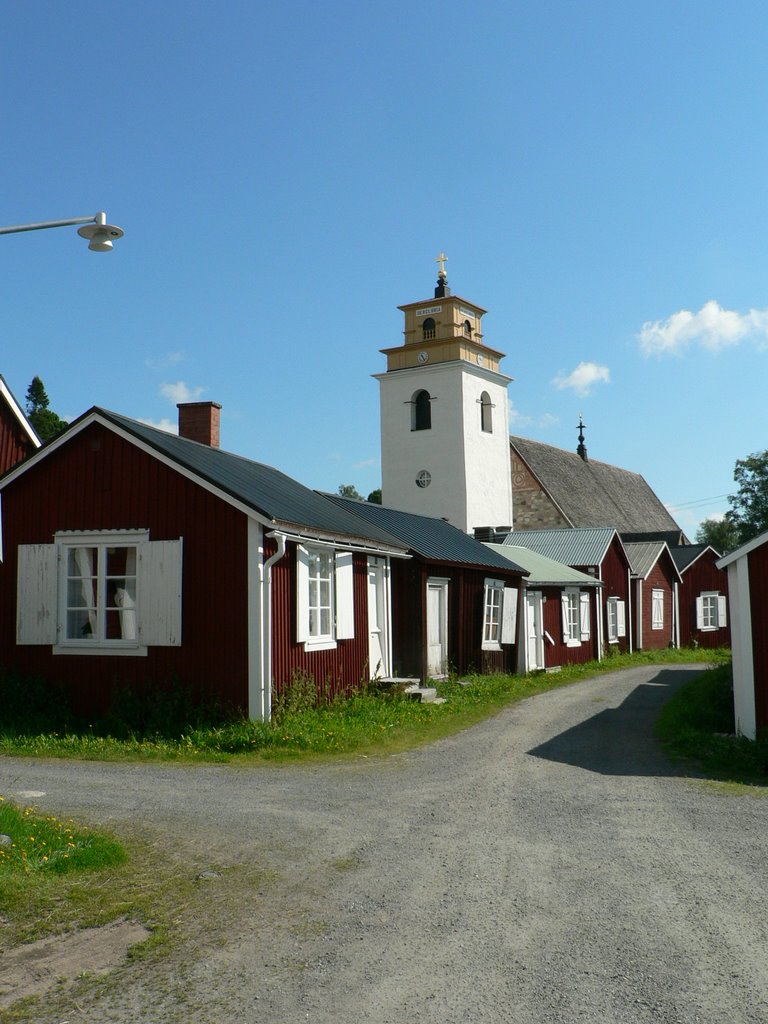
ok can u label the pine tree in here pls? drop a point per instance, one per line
(45, 422)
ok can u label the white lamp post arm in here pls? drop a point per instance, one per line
(99, 234)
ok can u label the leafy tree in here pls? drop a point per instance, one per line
(721, 534)
(749, 506)
(350, 491)
(44, 420)
(375, 496)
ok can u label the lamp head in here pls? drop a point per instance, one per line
(100, 236)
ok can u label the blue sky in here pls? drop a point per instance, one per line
(287, 173)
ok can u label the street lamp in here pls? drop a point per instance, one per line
(100, 235)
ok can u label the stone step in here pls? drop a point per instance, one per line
(425, 694)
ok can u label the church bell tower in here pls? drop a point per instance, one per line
(445, 416)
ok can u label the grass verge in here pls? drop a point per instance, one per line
(696, 726)
(370, 722)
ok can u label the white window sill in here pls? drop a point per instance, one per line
(319, 645)
(573, 643)
(94, 649)
(489, 645)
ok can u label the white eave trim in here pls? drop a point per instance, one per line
(18, 412)
(745, 549)
(338, 541)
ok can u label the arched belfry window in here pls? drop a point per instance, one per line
(428, 328)
(486, 413)
(421, 411)
(467, 329)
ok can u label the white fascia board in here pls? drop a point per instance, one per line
(338, 541)
(18, 412)
(745, 549)
(494, 376)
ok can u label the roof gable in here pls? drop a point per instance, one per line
(594, 493)
(643, 555)
(17, 413)
(278, 500)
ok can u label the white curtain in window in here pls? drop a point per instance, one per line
(85, 562)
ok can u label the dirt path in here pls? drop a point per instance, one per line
(546, 866)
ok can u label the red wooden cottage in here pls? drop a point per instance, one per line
(454, 603)
(703, 597)
(655, 606)
(17, 436)
(598, 552)
(559, 624)
(747, 568)
(132, 557)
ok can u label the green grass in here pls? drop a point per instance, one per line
(370, 722)
(33, 843)
(696, 726)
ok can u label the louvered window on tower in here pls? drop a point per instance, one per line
(486, 413)
(421, 411)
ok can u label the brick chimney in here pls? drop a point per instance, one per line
(199, 421)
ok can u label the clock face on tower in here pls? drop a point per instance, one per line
(423, 478)
(423, 357)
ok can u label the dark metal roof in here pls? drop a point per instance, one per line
(429, 537)
(277, 497)
(595, 493)
(686, 555)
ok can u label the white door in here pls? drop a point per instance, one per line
(535, 630)
(378, 620)
(437, 627)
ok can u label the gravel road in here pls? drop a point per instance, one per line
(548, 865)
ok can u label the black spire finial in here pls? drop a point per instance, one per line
(442, 288)
(582, 449)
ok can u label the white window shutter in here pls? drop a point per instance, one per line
(722, 618)
(564, 607)
(584, 615)
(509, 615)
(159, 597)
(621, 619)
(345, 596)
(302, 595)
(699, 613)
(36, 594)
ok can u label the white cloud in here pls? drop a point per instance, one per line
(517, 418)
(164, 424)
(365, 463)
(180, 392)
(712, 327)
(583, 378)
(165, 361)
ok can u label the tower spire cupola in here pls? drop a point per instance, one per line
(442, 288)
(581, 451)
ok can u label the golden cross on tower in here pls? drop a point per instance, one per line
(441, 259)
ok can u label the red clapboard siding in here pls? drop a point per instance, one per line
(702, 575)
(98, 481)
(337, 671)
(758, 599)
(14, 443)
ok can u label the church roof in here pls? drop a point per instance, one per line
(594, 493)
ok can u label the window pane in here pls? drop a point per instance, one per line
(80, 625)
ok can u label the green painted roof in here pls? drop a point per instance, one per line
(544, 572)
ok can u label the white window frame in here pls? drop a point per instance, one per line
(499, 615)
(153, 614)
(340, 581)
(617, 619)
(714, 600)
(571, 605)
(657, 609)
